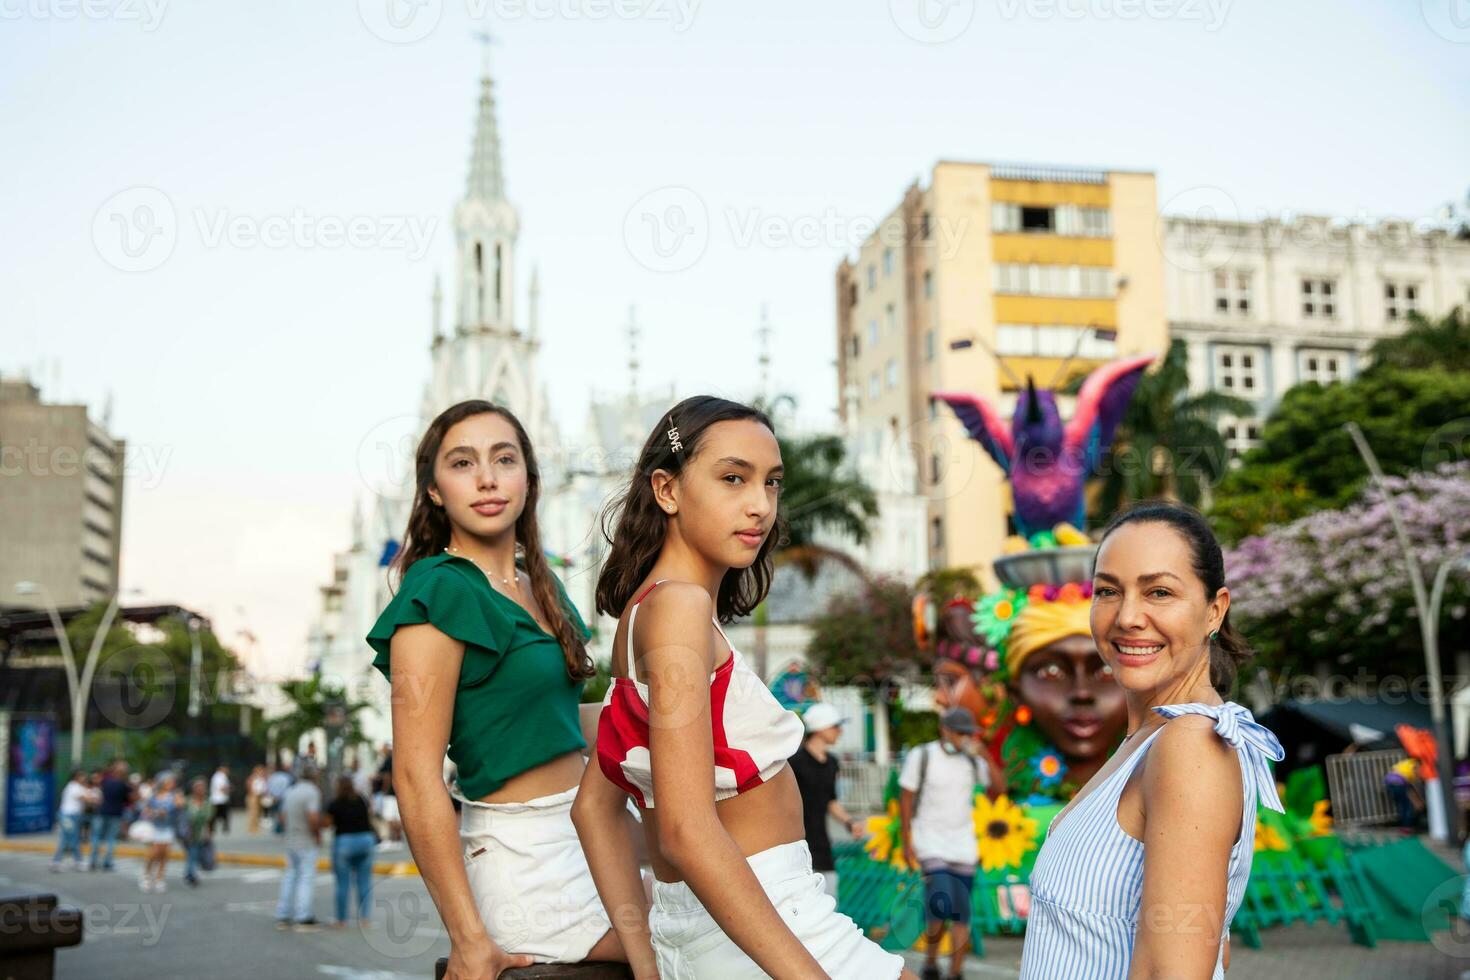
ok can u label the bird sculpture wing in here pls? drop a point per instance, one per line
(1100, 406)
(983, 424)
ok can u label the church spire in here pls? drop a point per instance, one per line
(486, 182)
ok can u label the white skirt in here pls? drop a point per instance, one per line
(530, 878)
(690, 945)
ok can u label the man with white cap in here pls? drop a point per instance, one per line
(816, 775)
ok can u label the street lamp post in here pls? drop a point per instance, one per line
(196, 667)
(79, 687)
(1438, 801)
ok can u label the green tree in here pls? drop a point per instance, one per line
(1168, 443)
(306, 714)
(1442, 344)
(1413, 418)
(867, 636)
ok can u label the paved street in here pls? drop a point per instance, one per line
(225, 928)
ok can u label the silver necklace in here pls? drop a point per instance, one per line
(514, 583)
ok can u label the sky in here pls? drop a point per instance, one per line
(226, 218)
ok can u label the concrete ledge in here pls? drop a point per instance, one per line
(388, 869)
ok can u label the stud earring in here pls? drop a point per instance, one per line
(1212, 633)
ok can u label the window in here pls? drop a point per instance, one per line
(873, 385)
(928, 285)
(1241, 436)
(936, 532)
(1038, 219)
(1052, 340)
(853, 345)
(1238, 371)
(924, 226)
(1063, 219)
(890, 373)
(887, 262)
(933, 409)
(872, 277)
(852, 293)
(1400, 299)
(928, 345)
(889, 320)
(1319, 297)
(1322, 366)
(934, 469)
(1232, 292)
(872, 333)
(1053, 280)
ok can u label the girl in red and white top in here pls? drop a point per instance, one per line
(693, 736)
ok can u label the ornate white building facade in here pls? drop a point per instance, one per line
(1266, 305)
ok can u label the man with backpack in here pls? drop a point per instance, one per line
(938, 783)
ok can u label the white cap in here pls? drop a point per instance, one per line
(820, 716)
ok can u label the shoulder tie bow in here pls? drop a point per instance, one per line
(1237, 726)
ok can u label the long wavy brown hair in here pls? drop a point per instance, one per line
(642, 524)
(428, 527)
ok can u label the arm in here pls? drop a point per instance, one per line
(848, 820)
(675, 632)
(906, 812)
(1192, 804)
(598, 813)
(425, 670)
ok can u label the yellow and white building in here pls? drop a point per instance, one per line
(1031, 262)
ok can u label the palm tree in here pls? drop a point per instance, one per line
(309, 700)
(819, 493)
(1168, 443)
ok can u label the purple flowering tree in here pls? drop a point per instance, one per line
(1332, 588)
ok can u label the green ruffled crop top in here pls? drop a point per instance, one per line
(515, 707)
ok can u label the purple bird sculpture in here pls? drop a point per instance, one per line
(1047, 461)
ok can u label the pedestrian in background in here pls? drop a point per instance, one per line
(74, 797)
(255, 792)
(815, 768)
(161, 811)
(114, 795)
(276, 785)
(352, 848)
(198, 825)
(301, 823)
(938, 784)
(219, 797)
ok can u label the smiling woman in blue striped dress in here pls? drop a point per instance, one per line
(1142, 872)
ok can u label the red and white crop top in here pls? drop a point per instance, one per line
(753, 734)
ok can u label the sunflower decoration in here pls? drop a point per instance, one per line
(1320, 819)
(884, 842)
(1005, 833)
(1268, 838)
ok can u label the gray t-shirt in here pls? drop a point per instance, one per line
(300, 801)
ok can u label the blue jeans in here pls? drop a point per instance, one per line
(352, 858)
(104, 831)
(71, 838)
(191, 857)
(1465, 898)
(295, 901)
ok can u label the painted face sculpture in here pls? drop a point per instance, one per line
(1044, 674)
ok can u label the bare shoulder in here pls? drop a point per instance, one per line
(676, 614)
(1190, 764)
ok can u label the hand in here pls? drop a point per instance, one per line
(482, 962)
(855, 827)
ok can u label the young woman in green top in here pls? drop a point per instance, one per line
(486, 656)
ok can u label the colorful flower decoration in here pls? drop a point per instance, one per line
(1320, 820)
(1268, 838)
(1048, 769)
(1005, 833)
(996, 613)
(1023, 715)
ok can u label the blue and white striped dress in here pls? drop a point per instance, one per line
(1087, 884)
